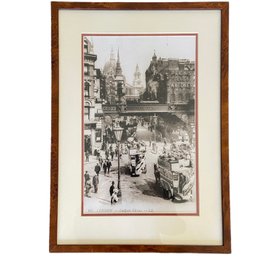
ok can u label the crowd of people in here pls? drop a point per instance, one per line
(94, 182)
(102, 165)
(179, 149)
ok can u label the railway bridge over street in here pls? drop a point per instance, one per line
(184, 111)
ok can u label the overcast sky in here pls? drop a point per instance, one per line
(139, 50)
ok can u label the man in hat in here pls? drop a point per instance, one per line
(95, 182)
(97, 169)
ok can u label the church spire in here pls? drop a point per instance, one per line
(154, 57)
(137, 79)
(112, 56)
(137, 69)
(118, 66)
(137, 73)
(118, 56)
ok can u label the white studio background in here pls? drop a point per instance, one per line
(25, 106)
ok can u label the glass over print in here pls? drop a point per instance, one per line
(139, 124)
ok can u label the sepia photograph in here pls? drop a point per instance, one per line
(139, 124)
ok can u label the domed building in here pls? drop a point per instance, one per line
(114, 79)
(110, 66)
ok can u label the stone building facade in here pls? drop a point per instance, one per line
(92, 100)
(170, 81)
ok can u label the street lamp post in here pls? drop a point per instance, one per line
(155, 123)
(118, 134)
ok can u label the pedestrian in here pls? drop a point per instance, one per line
(95, 183)
(106, 154)
(112, 155)
(114, 197)
(103, 146)
(98, 154)
(116, 152)
(97, 169)
(182, 182)
(111, 190)
(100, 160)
(109, 164)
(156, 173)
(86, 177)
(105, 167)
(87, 156)
(88, 187)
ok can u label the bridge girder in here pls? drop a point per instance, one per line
(143, 109)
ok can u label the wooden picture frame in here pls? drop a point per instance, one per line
(55, 213)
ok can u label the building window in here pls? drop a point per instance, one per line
(85, 69)
(87, 113)
(86, 49)
(187, 97)
(91, 71)
(87, 86)
(172, 98)
(180, 97)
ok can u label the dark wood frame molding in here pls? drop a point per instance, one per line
(224, 8)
